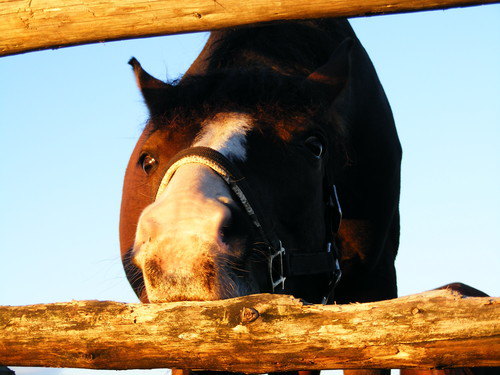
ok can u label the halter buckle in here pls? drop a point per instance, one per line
(281, 278)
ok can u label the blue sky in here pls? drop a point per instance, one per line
(69, 119)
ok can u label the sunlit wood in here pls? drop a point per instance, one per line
(27, 25)
(257, 334)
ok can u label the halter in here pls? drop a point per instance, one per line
(281, 263)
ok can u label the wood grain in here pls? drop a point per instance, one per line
(28, 25)
(255, 334)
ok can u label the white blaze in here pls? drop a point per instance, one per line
(226, 133)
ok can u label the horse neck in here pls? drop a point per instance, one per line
(295, 48)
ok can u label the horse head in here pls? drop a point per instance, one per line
(230, 188)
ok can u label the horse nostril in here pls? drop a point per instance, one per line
(227, 231)
(235, 226)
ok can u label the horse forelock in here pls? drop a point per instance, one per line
(218, 109)
(261, 93)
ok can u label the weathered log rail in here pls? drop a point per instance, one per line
(258, 333)
(28, 25)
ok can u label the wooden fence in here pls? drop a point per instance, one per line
(41, 24)
(256, 334)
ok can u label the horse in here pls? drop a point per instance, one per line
(273, 165)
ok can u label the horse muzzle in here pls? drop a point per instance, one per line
(188, 238)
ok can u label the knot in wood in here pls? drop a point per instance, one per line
(248, 315)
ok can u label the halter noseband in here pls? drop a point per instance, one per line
(281, 264)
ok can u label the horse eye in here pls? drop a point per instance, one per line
(315, 146)
(148, 163)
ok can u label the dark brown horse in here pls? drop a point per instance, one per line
(235, 184)
(296, 108)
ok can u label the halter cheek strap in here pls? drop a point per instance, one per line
(281, 264)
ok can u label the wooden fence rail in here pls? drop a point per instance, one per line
(257, 334)
(28, 25)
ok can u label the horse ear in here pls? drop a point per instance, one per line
(335, 73)
(152, 89)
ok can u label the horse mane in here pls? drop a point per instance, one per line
(296, 48)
